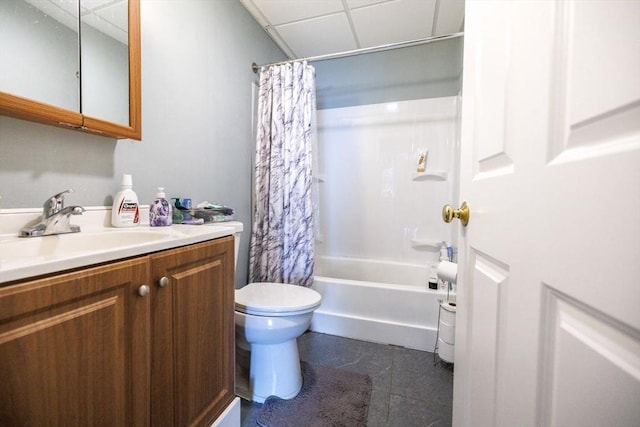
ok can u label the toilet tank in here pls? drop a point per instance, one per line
(236, 249)
(238, 227)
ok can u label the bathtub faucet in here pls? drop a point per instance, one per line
(55, 218)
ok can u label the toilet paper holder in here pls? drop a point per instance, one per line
(447, 271)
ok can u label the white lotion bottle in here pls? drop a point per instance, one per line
(125, 211)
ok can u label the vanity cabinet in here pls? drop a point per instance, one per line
(113, 345)
(192, 360)
(74, 348)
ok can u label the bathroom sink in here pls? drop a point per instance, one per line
(22, 257)
(61, 244)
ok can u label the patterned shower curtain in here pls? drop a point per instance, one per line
(282, 237)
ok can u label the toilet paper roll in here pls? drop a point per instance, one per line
(447, 271)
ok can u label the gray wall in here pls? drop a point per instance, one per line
(196, 117)
(105, 76)
(430, 70)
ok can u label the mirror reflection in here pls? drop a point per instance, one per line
(105, 59)
(42, 58)
(39, 52)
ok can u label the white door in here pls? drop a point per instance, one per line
(548, 328)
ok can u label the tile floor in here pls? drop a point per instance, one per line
(408, 390)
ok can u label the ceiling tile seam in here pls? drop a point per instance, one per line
(436, 12)
(354, 33)
(63, 10)
(311, 18)
(367, 6)
(101, 6)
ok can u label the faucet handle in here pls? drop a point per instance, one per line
(54, 203)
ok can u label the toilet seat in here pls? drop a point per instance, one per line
(276, 299)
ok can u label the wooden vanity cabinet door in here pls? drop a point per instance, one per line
(74, 349)
(192, 362)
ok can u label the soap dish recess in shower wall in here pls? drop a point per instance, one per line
(426, 244)
(429, 176)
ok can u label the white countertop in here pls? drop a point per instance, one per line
(97, 242)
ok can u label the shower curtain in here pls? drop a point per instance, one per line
(282, 237)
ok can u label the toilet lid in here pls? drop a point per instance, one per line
(276, 299)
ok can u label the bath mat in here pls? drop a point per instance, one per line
(329, 397)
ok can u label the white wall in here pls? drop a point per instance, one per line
(373, 204)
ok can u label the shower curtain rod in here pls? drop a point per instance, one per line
(255, 67)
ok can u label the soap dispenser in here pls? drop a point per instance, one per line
(160, 210)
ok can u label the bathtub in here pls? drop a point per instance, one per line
(378, 301)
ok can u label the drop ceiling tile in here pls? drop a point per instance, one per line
(69, 6)
(65, 12)
(285, 11)
(108, 17)
(354, 4)
(450, 15)
(116, 13)
(327, 34)
(92, 4)
(392, 22)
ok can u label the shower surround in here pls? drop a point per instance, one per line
(380, 225)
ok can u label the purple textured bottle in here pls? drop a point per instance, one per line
(160, 210)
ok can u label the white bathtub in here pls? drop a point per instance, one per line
(377, 301)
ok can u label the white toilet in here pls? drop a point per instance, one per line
(269, 317)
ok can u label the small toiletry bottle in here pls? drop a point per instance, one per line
(433, 278)
(125, 211)
(160, 211)
(176, 216)
(444, 256)
(444, 252)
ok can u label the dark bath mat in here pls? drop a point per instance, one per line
(329, 397)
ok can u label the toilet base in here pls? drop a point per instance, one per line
(274, 371)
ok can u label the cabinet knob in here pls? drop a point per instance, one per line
(143, 290)
(164, 281)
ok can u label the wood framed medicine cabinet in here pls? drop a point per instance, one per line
(27, 108)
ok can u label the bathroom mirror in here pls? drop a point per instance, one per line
(72, 63)
(39, 51)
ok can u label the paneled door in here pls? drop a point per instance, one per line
(548, 328)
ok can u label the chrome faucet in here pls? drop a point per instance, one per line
(54, 219)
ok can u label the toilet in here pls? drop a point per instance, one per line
(268, 319)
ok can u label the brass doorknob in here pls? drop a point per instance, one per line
(449, 213)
